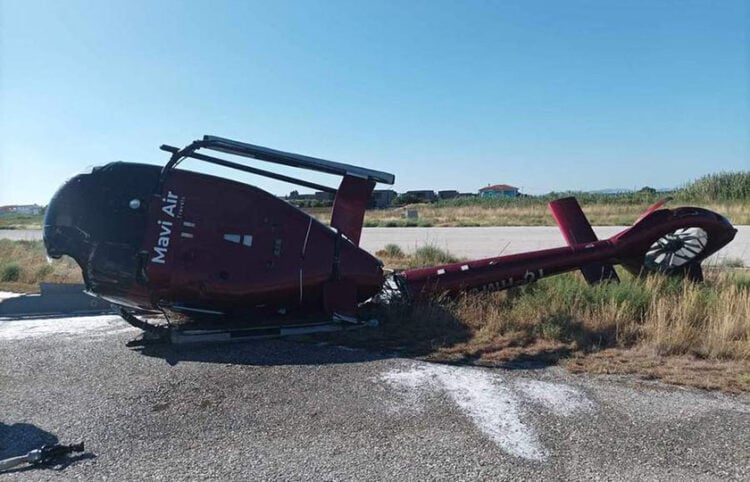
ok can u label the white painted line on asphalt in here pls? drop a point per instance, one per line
(85, 325)
(494, 404)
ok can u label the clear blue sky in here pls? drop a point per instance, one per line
(545, 95)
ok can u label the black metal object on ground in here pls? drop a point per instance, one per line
(41, 456)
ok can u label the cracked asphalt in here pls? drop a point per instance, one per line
(280, 410)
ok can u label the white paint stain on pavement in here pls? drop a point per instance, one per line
(556, 397)
(6, 295)
(494, 404)
(88, 325)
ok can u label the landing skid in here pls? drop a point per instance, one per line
(186, 334)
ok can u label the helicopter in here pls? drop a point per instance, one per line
(163, 240)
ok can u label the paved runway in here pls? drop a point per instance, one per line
(278, 410)
(482, 242)
(21, 234)
(486, 242)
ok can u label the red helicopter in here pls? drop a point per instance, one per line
(172, 241)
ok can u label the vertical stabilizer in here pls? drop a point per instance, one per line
(349, 207)
(576, 229)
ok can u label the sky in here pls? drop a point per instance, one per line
(543, 95)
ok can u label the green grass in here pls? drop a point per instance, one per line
(667, 314)
(391, 251)
(24, 264)
(686, 333)
(430, 256)
(397, 223)
(21, 221)
(718, 187)
(10, 272)
(712, 188)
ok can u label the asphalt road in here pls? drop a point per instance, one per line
(480, 242)
(278, 410)
(21, 234)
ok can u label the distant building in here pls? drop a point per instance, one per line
(323, 196)
(423, 195)
(448, 194)
(382, 198)
(498, 190)
(29, 209)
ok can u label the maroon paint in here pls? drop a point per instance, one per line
(289, 261)
(626, 248)
(576, 229)
(349, 207)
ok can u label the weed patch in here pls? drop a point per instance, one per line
(10, 272)
(665, 328)
(24, 264)
(391, 251)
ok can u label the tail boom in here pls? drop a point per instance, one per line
(630, 248)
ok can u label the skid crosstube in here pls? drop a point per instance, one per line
(191, 334)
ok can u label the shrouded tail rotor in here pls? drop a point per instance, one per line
(676, 253)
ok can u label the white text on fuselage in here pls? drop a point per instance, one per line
(169, 204)
(528, 277)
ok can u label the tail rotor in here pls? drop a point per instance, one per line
(676, 252)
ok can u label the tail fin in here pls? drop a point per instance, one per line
(349, 207)
(576, 229)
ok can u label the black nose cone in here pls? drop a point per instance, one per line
(108, 205)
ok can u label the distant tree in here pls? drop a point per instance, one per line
(405, 198)
(647, 189)
(294, 195)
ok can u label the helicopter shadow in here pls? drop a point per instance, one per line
(264, 352)
(423, 331)
(420, 332)
(400, 333)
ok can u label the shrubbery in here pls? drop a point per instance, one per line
(10, 272)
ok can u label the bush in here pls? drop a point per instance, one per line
(10, 272)
(719, 187)
(723, 186)
(432, 255)
(405, 198)
(393, 251)
(729, 262)
(43, 271)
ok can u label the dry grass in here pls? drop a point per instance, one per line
(525, 214)
(21, 221)
(726, 375)
(393, 257)
(670, 317)
(23, 265)
(656, 327)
